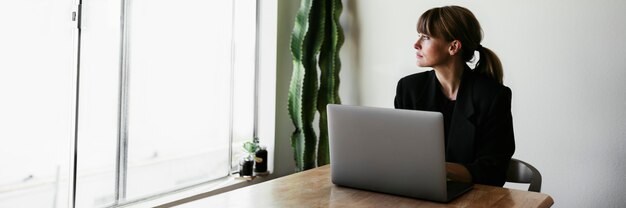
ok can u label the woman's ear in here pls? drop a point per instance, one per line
(455, 47)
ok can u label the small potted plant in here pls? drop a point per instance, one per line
(247, 162)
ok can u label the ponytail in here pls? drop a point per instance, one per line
(489, 64)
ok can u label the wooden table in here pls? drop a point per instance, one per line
(313, 188)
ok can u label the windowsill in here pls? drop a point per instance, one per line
(199, 191)
(267, 107)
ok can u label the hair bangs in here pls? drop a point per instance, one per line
(432, 23)
(425, 23)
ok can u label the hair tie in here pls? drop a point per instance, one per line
(479, 47)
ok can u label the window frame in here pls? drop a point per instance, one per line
(264, 105)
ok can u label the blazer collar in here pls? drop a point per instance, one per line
(462, 130)
(432, 97)
(464, 97)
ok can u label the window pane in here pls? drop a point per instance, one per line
(179, 93)
(37, 91)
(244, 66)
(98, 103)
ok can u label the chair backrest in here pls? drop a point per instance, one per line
(522, 172)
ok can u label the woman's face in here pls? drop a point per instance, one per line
(431, 51)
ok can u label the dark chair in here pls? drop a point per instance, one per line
(522, 172)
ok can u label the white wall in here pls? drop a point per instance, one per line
(564, 61)
(283, 156)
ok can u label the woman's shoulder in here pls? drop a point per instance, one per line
(420, 77)
(487, 90)
(482, 83)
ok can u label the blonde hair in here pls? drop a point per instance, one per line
(458, 23)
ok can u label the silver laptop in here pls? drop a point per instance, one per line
(392, 151)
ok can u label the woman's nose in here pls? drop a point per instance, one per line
(417, 44)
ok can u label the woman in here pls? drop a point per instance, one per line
(475, 105)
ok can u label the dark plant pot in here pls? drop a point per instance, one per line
(260, 160)
(245, 166)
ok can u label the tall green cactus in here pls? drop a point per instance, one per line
(330, 64)
(316, 29)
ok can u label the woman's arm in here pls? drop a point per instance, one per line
(398, 103)
(495, 144)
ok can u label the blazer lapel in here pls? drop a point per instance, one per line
(462, 130)
(430, 100)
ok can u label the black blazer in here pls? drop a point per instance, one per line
(480, 136)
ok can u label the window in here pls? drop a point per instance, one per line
(36, 82)
(165, 97)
